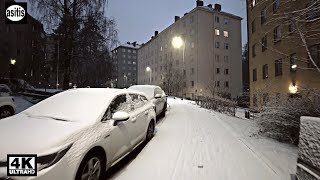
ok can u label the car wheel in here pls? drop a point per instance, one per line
(150, 131)
(163, 112)
(91, 167)
(5, 112)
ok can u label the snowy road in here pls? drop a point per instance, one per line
(193, 144)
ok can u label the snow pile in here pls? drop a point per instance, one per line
(309, 141)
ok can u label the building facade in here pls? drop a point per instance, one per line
(209, 59)
(25, 43)
(280, 35)
(124, 60)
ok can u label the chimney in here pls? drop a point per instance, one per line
(134, 44)
(156, 33)
(185, 14)
(199, 3)
(176, 18)
(217, 7)
(210, 5)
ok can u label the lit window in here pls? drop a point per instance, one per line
(217, 31)
(192, 45)
(226, 33)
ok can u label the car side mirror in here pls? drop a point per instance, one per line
(120, 116)
(158, 96)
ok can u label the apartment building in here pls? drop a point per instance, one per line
(280, 34)
(209, 58)
(124, 59)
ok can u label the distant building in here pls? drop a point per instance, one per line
(212, 51)
(124, 59)
(24, 43)
(278, 60)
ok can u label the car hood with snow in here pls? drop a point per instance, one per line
(22, 134)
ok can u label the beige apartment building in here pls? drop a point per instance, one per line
(210, 57)
(278, 58)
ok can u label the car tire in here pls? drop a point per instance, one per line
(5, 112)
(150, 131)
(85, 169)
(164, 109)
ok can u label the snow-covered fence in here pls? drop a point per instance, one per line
(308, 166)
(218, 104)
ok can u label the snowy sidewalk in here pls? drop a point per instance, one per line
(192, 143)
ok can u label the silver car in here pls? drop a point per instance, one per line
(156, 95)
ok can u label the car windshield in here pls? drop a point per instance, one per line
(71, 106)
(147, 90)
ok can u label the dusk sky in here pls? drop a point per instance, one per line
(137, 20)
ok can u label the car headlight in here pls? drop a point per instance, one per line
(51, 159)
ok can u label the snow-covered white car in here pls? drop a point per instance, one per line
(156, 95)
(7, 106)
(78, 133)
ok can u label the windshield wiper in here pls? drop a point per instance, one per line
(50, 117)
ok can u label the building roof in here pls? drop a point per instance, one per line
(133, 45)
(206, 8)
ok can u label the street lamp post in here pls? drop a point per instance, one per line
(11, 70)
(148, 69)
(177, 42)
(58, 64)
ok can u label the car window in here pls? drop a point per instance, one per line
(137, 101)
(144, 99)
(121, 103)
(4, 90)
(158, 91)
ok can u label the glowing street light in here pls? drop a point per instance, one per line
(177, 42)
(148, 69)
(293, 88)
(294, 66)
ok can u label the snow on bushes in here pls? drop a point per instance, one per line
(280, 115)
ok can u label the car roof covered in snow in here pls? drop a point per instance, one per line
(81, 105)
(147, 89)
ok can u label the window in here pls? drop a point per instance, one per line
(263, 15)
(264, 43)
(191, 19)
(278, 67)
(129, 50)
(265, 71)
(254, 50)
(192, 45)
(217, 32)
(134, 51)
(123, 55)
(218, 83)
(293, 62)
(226, 71)
(226, 84)
(254, 75)
(216, 19)
(277, 34)
(225, 33)
(253, 26)
(226, 45)
(218, 71)
(184, 84)
(265, 98)
(192, 31)
(217, 57)
(291, 26)
(226, 59)
(129, 57)
(133, 62)
(315, 54)
(226, 21)
(123, 50)
(119, 104)
(129, 62)
(192, 70)
(192, 83)
(255, 100)
(276, 5)
(123, 67)
(184, 72)
(217, 44)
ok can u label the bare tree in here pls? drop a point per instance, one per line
(172, 80)
(66, 17)
(302, 19)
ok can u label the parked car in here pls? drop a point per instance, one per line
(17, 85)
(156, 96)
(78, 133)
(7, 106)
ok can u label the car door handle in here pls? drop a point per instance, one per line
(146, 112)
(134, 119)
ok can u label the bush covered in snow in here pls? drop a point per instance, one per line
(218, 104)
(280, 115)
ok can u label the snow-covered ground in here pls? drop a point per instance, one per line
(21, 104)
(194, 143)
